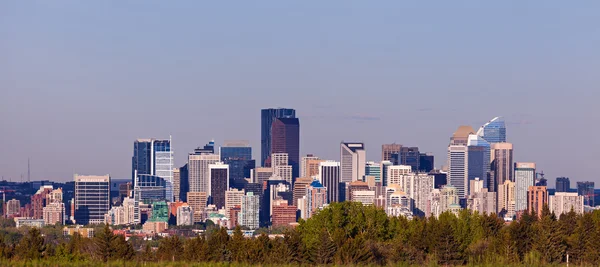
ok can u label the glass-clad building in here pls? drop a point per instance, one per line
(267, 117)
(493, 131)
(92, 198)
(478, 159)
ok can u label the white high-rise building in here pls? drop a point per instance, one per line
(524, 178)
(353, 158)
(249, 213)
(506, 198)
(366, 197)
(279, 159)
(198, 171)
(163, 164)
(281, 168)
(395, 172)
(458, 168)
(563, 202)
(233, 197)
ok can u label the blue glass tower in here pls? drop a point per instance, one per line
(238, 155)
(478, 150)
(493, 131)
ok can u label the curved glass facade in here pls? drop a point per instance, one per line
(493, 131)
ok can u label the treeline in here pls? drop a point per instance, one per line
(349, 233)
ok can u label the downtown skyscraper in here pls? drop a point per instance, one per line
(154, 157)
(238, 155)
(494, 131)
(353, 160)
(285, 138)
(267, 117)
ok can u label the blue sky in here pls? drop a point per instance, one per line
(81, 80)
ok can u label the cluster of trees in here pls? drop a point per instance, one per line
(349, 233)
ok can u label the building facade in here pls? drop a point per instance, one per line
(537, 197)
(92, 198)
(249, 213)
(494, 131)
(458, 168)
(563, 202)
(563, 184)
(285, 138)
(329, 177)
(267, 116)
(524, 178)
(352, 162)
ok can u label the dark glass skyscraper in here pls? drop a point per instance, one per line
(586, 189)
(563, 184)
(142, 158)
(267, 116)
(409, 156)
(426, 162)
(238, 155)
(285, 138)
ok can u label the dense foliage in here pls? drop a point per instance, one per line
(345, 233)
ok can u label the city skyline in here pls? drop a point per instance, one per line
(82, 81)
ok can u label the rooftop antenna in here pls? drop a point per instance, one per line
(28, 171)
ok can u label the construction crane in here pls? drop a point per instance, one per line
(3, 191)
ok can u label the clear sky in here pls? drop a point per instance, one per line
(81, 80)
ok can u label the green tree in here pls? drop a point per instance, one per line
(548, 241)
(170, 249)
(196, 249)
(32, 246)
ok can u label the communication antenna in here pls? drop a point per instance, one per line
(28, 171)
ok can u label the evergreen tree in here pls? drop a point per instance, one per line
(32, 246)
(103, 240)
(548, 241)
(170, 249)
(325, 250)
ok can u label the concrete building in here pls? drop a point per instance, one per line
(176, 184)
(388, 149)
(38, 201)
(13, 207)
(563, 202)
(352, 162)
(283, 173)
(299, 190)
(366, 197)
(283, 214)
(310, 166)
(502, 162)
(395, 172)
(233, 198)
(199, 172)
(198, 201)
(357, 186)
(537, 197)
(316, 198)
(249, 213)
(480, 199)
(449, 199)
(262, 174)
(92, 198)
(506, 198)
(185, 215)
(54, 213)
(524, 178)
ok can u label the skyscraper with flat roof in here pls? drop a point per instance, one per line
(285, 138)
(494, 131)
(218, 183)
(524, 179)
(502, 164)
(388, 149)
(586, 189)
(198, 170)
(353, 159)
(563, 184)
(267, 116)
(479, 159)
(238, 155)
(92, 198)
(154, 157)
(458, 169)
(329, 176)
(537, 197)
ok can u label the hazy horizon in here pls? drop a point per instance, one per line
(81, 81)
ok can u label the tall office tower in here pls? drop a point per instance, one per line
(563, 184)
(502, 164)
(310, 166)
(352, 162)
(233, 197)
(283, 213)
(92, 198)
(198, 171)
(388, 149)
(184, 184)
(185, 215)
(299, 190)
(262, 174)
(218, 183)
(395, 173)
(426, 162)
(329, 177)
(249, 213)
(493, 131)
(385, 166)
(524, 178)
(207, 149)
(440, 178)
(273, 189)
(267, 116)
(238, 155)
(357, 186)
(316, 198)
(491, 182)
(479, 159)
(461, 136)
(506, 198)
(281, 168)
(562, 202)
(586, 189)
(147, 189)
(373, 169)
(154, 157)
(176, 184)
(458, 168)
(407, 156)
(38, 201)
(197, 200)
(537, 197)
(285, 138)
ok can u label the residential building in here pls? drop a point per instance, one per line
(563, 184)
(494, 131)
(537, 197)
(176, 184)
(482, 201)
(563, 202)
(38, 201)
(92, 198)
(267, 117)
(197, 201)
(218, 183)
(299, 190)
(310, 166)
(233, 198)
(316, 199)
(506, 198)
(395, 172)
(285, 138)
(366, 197)
(524, 178)
(54, 213)
(185, 215)
(329, 177)
(352, 162)
(249, 212)
(283, 214)
(13, 207)
(357, 186)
